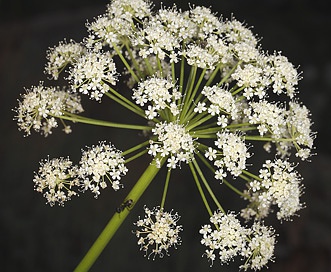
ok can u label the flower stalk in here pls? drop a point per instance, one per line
(118, 218)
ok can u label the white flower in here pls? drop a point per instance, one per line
(61, 55)
(206, 22)
(173, 141)
(228, 238)
(159, 93)
(40, 105)
(280, 185)
(269, 116)
(260, 247)
(157, 232)
(92, 74)
(200, 57)
(128, 9)
(57, 179)
(100, 164)
(232, 154)
(299, 127)
(284, 76)
(221, 100)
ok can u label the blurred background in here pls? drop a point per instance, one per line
(36, 237)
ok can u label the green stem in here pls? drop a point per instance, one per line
(204, 160)
(149, 67)
(224, 79)
(198, 120)
(238, 90)
(136, 78)
(210, 191)
(192, 104)
(213, 74)
(127, 105)
(202, 194)
(268, 139)
(173, 72)
(165, 190)
(136, 156)
(118, 218)
(181, 77)
(159, 65)
(251, 175)
(136, 147)
(233, 188)
(188, 92)
(77, 118)
(136, 65)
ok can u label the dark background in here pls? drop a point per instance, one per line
(35, 237)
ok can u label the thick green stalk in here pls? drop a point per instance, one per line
(118, 218)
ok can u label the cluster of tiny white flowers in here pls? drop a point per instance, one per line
(100, 164)
(177, 23)
(206, 21)
(253, 79)
(269, 116)
(128, 9)
(117, 24)
(159, 93)
(231, 239)
(260, 247)
(200, 57)
(173, 141)
(61, 55)
(92, 74)
(40, 105)
(222, 103)
(299, 127)
(283, 76)
(103, 30)
(277, 122)
(228, 238)
(232, 154)
(155, 39)
(57, 179)
(236, 32)
(279, 185)
(158, 231)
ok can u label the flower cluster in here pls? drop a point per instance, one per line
(173, 141)
(92, 74)
(59, 179)
(99, 164)
(159, 93)
(278, 184)
(232, 154)
(61, 56)
(158, 231)
(231, 239)
(41, 105)
(204, 92)
(222, 104)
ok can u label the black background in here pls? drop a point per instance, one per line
(35, 237)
